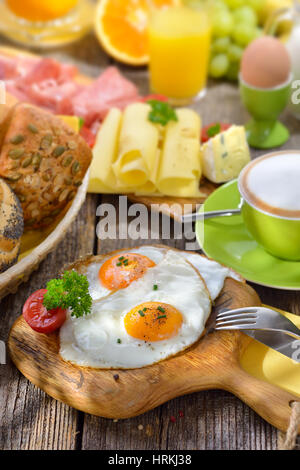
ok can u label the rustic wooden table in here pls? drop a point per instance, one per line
(211, 420)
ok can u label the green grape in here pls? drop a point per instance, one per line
(233, 71)
(256, 4)
(245, 15)
(235, 53)
(219, 5)
(221, 44)
(222, 23)
(243, 34)
(233, 4)
(219, 65)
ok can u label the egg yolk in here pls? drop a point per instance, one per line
(153, 321)
(120, 270)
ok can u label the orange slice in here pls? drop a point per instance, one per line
(121, 27)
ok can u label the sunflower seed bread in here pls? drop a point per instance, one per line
(11, 226)
(43, 160)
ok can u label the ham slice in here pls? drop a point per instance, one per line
(47, 83)
(49, 94)
(14, 90)
(13, 68)
(111, 89)
(53, 86)
(46, 69)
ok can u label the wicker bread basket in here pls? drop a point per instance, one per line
(20, 272)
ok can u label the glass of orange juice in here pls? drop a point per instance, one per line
(45, 23)
(179, 45)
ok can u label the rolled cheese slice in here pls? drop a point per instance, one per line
(102, 176)
(138, 157)
(180, 166)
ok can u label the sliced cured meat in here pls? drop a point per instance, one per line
(53, 86)
(88, 135)
(97, 112)
(12, 67)
(47, 83)
(110, 89)
(15, 91)
(46, 69)
(49, 94)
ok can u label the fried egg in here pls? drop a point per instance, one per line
(213, 273)
(113, 273)
(118, 271)
(158, 314)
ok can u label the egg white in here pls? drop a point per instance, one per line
(213, 273)
(93, 340)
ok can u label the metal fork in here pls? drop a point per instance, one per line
(256, 318)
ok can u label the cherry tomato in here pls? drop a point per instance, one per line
(88, 136)
(154, 97)
(223, 126)
(38, 317)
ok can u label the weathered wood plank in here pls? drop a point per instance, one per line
(214, 419)
(211, 420)
(28, 418)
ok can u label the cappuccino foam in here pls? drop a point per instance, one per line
(272, 184)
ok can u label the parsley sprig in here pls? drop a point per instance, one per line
(214, 129)
(81, 123)
(70, 291)
(161, 112)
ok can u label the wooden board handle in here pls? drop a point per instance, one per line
(270, 402)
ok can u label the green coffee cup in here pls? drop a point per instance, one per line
(277, 234)
(265, 105)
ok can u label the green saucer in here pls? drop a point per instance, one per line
(226, 240)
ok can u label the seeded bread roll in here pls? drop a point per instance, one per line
(43, 160)
(11, 226)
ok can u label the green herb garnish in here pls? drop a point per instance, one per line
(161, 316)
(161, 309)
(70, 291)
(141, 313)
(155, 287)
(81, 123)
(119, 341)
(123, 261)
(161, 112)
(214, 130)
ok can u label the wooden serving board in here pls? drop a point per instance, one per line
(171, 206)
(175, 207)
(212, 363)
